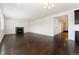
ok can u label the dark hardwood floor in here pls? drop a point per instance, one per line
(36, 44)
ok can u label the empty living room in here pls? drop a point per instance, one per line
(39, 28)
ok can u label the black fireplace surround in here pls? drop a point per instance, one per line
(19, 30)
(77, 36)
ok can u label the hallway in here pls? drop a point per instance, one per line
(36, 44)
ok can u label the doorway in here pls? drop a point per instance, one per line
(61, 27)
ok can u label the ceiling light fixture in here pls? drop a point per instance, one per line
(48, 5)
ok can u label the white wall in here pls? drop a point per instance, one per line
(11, 24)
(42, 26)
(46, 25)
(57, 26)
(1, 25)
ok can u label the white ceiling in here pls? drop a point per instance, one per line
(31, 11)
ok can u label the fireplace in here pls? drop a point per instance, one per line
(77, 36)
(19, 30)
